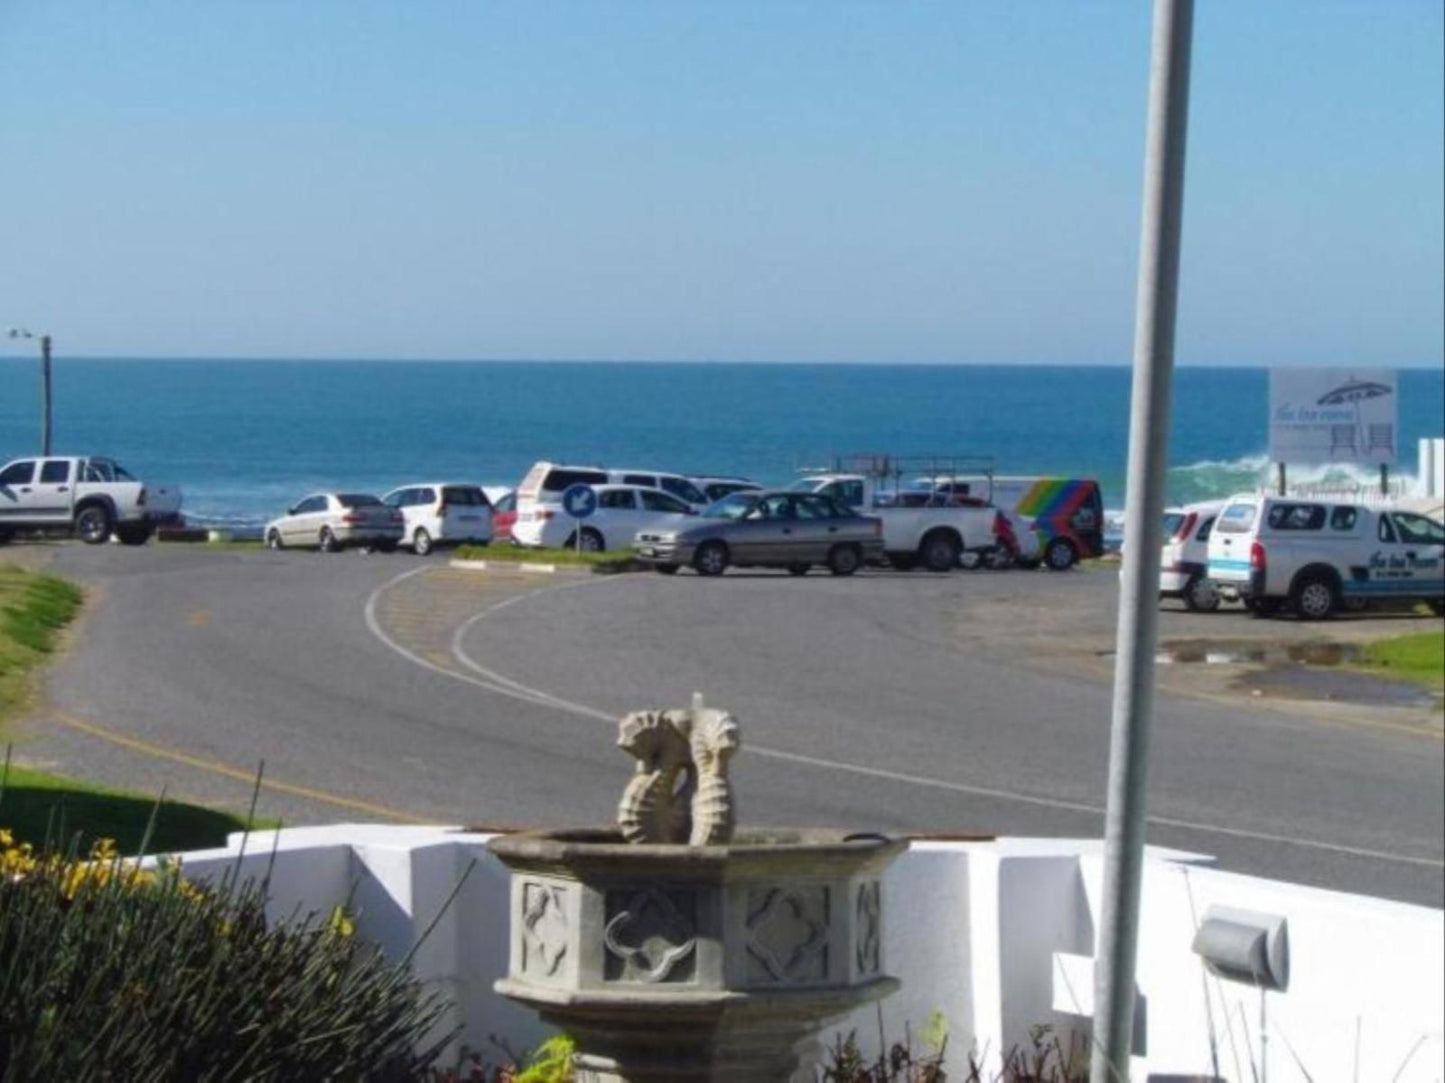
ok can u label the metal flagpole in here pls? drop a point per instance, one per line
(1158, 291)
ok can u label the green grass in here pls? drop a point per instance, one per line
(598, 562)
(34, 608)
(1417, 658)
(35, 806)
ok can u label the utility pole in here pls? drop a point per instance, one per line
(45, 396)
(1156, 304)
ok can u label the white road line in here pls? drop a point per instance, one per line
(506, 686)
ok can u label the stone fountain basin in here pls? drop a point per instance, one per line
(778, 921)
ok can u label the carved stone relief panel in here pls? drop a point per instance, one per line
(867, 928)
(787, 934)
(544, 928)
(650, 935)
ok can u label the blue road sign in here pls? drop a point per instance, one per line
(579, 501)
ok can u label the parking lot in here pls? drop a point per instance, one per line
(968, 702)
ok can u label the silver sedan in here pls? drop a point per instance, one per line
(332, 521)
(767, 529)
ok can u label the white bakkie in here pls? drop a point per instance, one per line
(92, 496)
(1316, 556)
(936, 535)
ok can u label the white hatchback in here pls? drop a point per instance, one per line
(1184, 560)
(442, 513)
(622, 510)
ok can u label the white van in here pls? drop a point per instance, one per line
(1315, 556)
(539, 496)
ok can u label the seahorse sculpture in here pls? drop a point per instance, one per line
(714, 740)
(679, 791)
(655, 806)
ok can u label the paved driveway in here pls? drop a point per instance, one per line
(390, 687)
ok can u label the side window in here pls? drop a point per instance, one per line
(814, 507)
(1418, 530)
(1343, 518)
(423, 497)
(1297, 516)
(507, 503)
(616, 498)
(1206, 529)
(1387, 532)
(395, 500)
(315, 503)
(640, 479)
(684, 490)
(21, 473)
(55, 472)
(656, 501)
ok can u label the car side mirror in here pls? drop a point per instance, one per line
(290, 511)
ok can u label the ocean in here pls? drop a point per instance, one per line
(246, 438)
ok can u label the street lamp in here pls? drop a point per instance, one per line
(20, 332)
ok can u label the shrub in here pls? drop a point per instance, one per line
(114, 972)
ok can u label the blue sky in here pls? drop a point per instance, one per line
(732, 180)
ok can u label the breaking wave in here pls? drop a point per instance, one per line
(1213, 479)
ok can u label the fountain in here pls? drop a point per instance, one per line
(672, 947)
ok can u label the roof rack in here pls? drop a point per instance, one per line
(895, 470)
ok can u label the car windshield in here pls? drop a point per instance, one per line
(734, 506)
(357, 500)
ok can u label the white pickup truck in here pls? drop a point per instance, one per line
(91, 496)
(930, 531)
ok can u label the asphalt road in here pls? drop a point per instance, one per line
(391, 687)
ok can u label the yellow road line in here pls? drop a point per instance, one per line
(240, 774)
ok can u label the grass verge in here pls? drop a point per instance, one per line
(1418, 658)
(597, 562)
(36, 806)
(34, 610)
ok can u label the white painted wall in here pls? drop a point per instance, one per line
(995, 935)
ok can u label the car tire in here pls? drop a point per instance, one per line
(939, 552)
(1201, 595)
(1060, 555)
(711, 558)
(326, 541)
(1314, 598)
(666, 569)
(93, 524)
(273, 540)
(798, 569)
(844, 560)
(421, 542)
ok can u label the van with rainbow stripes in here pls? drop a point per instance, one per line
(1067, 514)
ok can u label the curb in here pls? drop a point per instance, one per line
(521, 565)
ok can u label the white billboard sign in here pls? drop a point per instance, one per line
(1332, 416)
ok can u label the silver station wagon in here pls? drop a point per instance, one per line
(767, 529)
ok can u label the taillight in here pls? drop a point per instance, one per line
(1187, 527)
(1256, 557)
(441, 509)
(543, 514)
(351, 519)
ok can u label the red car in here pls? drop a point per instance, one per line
(504, 514)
